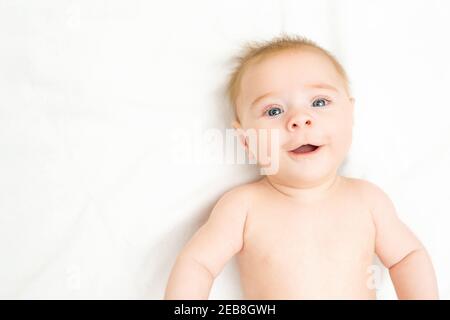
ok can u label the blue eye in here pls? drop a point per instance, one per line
(272, 112)
(321, 102)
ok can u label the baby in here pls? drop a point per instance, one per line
(304, 231)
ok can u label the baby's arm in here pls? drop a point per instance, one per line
(207, 252)
(401, 252)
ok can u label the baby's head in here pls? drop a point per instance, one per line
(293, 86)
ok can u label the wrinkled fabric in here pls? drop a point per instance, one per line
(102, 102)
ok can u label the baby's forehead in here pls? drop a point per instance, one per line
(286, 67)
(304, 60)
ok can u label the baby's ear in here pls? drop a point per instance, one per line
(243, 138)
(237, 126)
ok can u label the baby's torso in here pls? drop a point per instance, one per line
(315, 251)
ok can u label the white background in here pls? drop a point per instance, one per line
(95, 97)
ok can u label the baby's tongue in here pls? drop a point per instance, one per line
(305, 148)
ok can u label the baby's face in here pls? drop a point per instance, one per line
(300, 94)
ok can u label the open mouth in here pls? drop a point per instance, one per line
(305, 149)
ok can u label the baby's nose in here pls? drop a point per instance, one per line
(299, 121)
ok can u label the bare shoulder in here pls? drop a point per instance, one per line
(240, 196)
(367, 188)
(374, 196)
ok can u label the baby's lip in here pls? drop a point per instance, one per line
(304, 144)
(305, 150)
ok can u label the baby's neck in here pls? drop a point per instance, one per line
(306, 192)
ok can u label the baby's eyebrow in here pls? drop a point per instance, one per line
(321, 86)
(262, 97)
(310, 85)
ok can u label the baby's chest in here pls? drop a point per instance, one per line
(333, 234)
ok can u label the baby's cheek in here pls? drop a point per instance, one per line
(342, 135)
(269, 144)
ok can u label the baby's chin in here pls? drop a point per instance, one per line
(295, 176)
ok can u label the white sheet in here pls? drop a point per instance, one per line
(93, 94)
